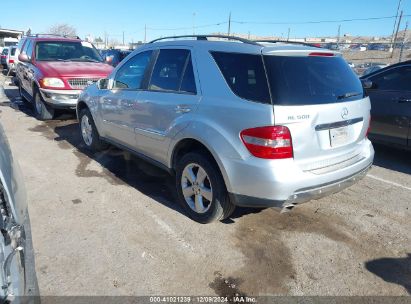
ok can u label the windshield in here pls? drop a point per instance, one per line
(66, 51)
(311, 80)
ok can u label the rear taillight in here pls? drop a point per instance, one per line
(321, 54)
(11, 60)
(271, 142)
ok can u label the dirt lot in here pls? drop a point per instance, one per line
(376, 56)
(106, 225)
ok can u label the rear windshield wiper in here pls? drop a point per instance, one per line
(348, 95)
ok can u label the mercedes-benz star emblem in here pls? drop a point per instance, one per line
(344, 113)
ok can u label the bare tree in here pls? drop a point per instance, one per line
(63, 29)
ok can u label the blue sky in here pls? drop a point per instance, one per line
(114, 17)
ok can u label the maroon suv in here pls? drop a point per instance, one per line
(52, 71)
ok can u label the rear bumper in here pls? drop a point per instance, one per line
(282, 183)
(302, 195)
(61, 99)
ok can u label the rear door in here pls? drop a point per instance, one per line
(391, 105)
(320, 99)
(172, 93)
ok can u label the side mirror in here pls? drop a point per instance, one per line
(102, 84)
(367, 84)
(109, 59)
(23, 57)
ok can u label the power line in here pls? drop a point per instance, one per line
(185, 28)
(316, 22)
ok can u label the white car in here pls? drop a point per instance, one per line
(11, 59)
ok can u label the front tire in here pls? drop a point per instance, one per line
(201, 189)
(41, 109)
(89, 132)
(24, 99)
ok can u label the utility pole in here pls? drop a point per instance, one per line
(105, 39)
(403, 41)
(338, 37)
(288, 35)
(229, 24)
(145, 33)
(393, 29)
(396, 33)
(123, 37)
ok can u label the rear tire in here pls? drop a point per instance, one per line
(201, 189)
(41, 109)
(89, 133)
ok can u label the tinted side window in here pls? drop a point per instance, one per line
(168, 70)
(394, 79)
(188, 83)
(245, 75)
(131, 74)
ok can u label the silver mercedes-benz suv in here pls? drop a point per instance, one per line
(239, 122)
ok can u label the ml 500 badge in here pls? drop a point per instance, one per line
(299, 117)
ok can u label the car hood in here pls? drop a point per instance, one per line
(74, 69)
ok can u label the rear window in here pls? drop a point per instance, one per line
(13, 51)
(5, 51)
(311, 80)
(245, 75)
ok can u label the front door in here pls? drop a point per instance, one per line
(119, 103)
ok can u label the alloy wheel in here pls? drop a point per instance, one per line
(86, 130)
(196, 188)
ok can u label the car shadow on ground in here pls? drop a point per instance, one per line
(17, 103)
(123, 168)
(392, 270)
(392, 158)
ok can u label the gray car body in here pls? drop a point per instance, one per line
(21, 281)
(215, 117)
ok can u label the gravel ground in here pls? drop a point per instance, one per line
(106, 224)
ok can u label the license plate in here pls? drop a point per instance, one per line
(339, 136)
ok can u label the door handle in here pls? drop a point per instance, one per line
(403, 100)
(182, 109)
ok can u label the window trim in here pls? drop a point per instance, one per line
(229, 87)
(182, 74)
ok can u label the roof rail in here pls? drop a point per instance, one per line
(205, 37)
(285, 41)
(53, 35)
